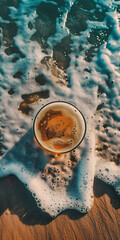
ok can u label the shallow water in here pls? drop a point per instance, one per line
(60, 50)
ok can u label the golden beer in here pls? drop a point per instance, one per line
(59, 127)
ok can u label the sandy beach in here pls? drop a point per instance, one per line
(20, 218)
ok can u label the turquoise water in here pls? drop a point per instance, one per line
(60, 50)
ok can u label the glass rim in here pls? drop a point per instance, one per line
(57, 101)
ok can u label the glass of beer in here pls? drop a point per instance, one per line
(59, 127)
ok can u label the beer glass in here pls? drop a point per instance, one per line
(59, 127)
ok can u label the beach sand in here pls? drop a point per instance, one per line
(20, 218)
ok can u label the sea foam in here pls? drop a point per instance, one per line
(90, 81)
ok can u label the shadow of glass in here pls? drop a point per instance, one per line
(26, 152)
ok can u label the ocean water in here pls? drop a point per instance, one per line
(60, 50)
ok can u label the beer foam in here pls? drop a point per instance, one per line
(75, 45)
(70, 139)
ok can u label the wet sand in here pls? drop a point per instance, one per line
(20, 218)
